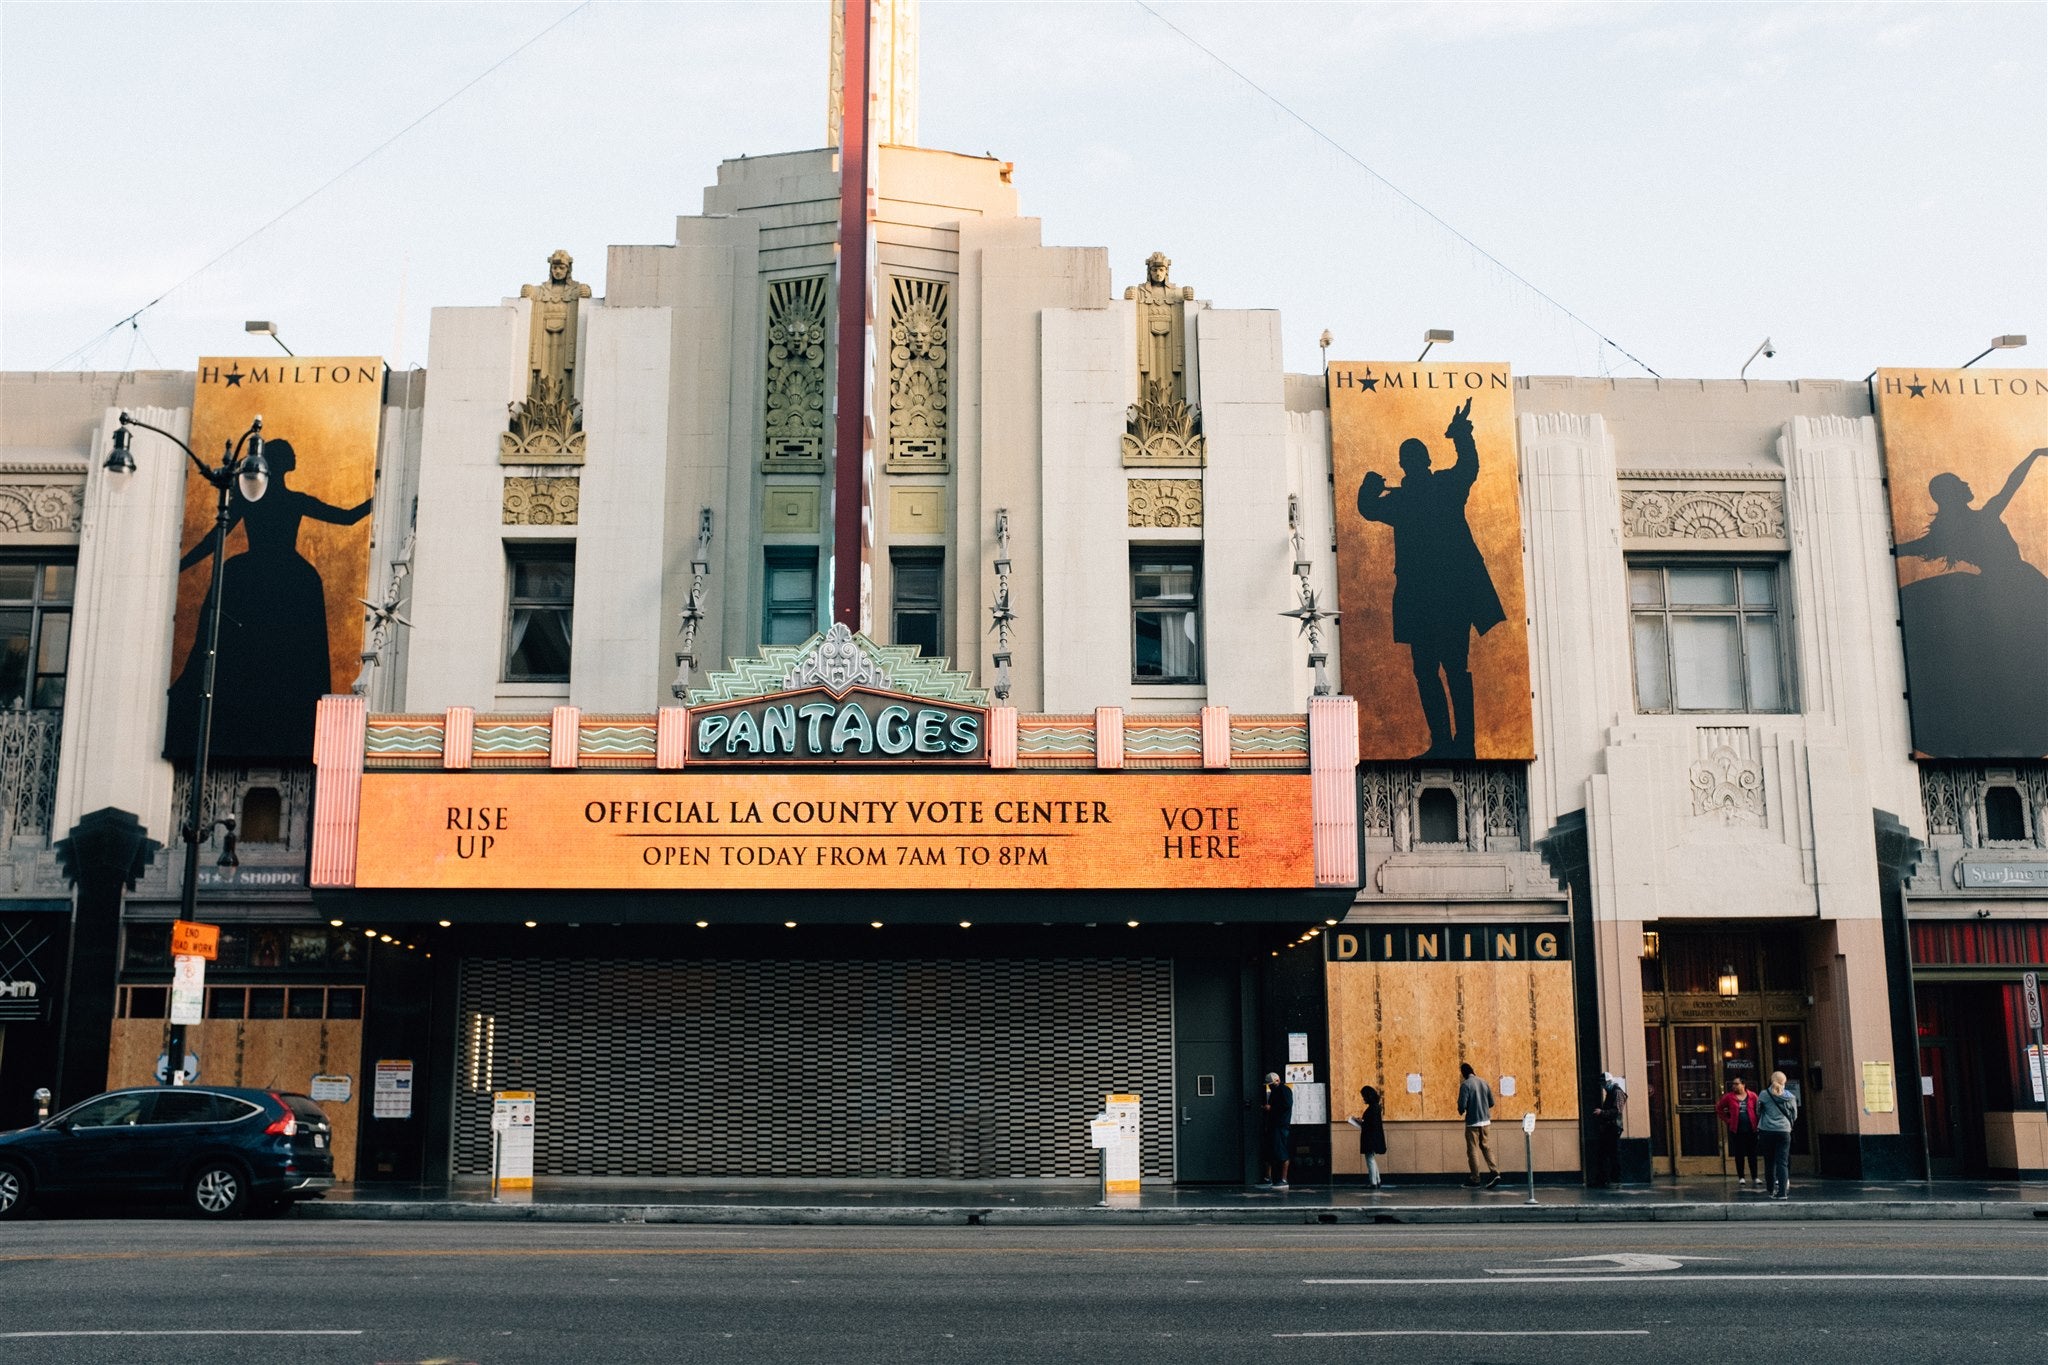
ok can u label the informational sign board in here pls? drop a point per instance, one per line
(189, 939)
(188, 989)
(1300, 1073)
(1879, 1096)
(1311, 1102)
(391, 1093)
(1297, 1048)
(1121, 1155)
(834, 831)
(332, 1089)
(2037, 1060)
(1102, 1133)
(512, 1127)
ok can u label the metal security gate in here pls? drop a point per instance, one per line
(924, 1069)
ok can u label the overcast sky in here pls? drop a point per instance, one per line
(1868, 185)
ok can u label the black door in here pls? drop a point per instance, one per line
(1208, 1114)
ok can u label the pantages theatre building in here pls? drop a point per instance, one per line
(865, 684)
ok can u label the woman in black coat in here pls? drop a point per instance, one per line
(1372, 1132)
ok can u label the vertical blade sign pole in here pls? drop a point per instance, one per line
(852, 456)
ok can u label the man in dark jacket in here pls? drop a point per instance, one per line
(1279, 1104)
(1475, 1106)
(1609, 1117)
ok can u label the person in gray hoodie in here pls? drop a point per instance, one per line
(1777, 1110)
(1475, 1106)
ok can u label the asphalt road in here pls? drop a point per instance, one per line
(172, 1290)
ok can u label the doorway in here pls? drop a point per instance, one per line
(1208, 1073)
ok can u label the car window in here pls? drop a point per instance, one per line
(111, 1111)
(185, 1106)
(229, 1109)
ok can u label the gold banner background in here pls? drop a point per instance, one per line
(1367, 427)
(332, 428)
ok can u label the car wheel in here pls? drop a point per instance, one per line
(219, 1190)
(13, 1191)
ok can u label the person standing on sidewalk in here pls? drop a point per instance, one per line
(1610, 1115)
(1279, 1130)
(1372, 1131)
(1475, 1106)
(1777, 1111)
(1738, 1113)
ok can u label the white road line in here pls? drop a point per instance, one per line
(1426, 1332)
(198, 1332)
(1668, 1279)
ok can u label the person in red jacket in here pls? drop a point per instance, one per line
(1738, 1111)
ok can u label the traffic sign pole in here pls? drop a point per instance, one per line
(2030, 986)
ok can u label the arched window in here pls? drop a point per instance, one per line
(2005, 817)
(262, 816)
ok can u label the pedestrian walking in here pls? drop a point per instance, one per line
(1475, 1106)
(1279, 1130)
(1777, 1111)
(1372, 1131)
(1610, 1116)
(1738, 1114)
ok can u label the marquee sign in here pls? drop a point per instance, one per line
(862, 725)
(762, 831)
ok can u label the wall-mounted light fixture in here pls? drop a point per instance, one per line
(1432, 337)
(1730, 985)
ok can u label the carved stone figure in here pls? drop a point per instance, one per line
(1162, 427)
(551, 348)
(794, 421)
(918, 397)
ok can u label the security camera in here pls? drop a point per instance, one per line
(1770, 351)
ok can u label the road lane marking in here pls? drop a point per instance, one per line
(1619, 1260)
(1447, 1332)
(1760, 1277)
(197, 1332)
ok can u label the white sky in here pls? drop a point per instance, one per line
(1866, 184)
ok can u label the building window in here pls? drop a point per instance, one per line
(789, 595)
(262, 816)
(35, 631)
(542, 600)
(916, 585)
(2005, 814)
(1708, 637)
(1436, 817)
(1166, 611)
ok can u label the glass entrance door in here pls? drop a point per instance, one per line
(1706, 1059)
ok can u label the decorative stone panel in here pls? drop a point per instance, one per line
(541, 500)
(920, 396)
(1493, 804)
(1727, 776)
(794, 418)
(790, 508)
(917, 511)
(1164, 503)
(40, 508)
(1727, 517)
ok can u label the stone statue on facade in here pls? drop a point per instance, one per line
(547, 428)
(1162, 427)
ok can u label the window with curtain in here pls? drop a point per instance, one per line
(789, 594)
(1708, 636)
(915, 590)
(542, 603)
(1166, 614)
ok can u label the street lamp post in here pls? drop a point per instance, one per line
(241, 467)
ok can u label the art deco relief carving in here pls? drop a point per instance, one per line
(1165, 502)
(1727, 777)
(1492, 802)
(919, 379)
(794, 424)
(541, 501)
(547, 427)
(40, 507)
(1703, 513)
(1162, 427)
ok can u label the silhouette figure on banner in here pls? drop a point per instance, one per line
(274, 663)
(1977, 635)
(1442, 591)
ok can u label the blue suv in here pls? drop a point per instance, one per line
(225, 1151)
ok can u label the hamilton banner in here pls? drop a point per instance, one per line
(297, 560)
(1966, 452)
(1429, 560)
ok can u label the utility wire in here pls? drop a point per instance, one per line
(340, 175)
(1413, 202)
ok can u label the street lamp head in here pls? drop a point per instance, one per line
(254, 478)
(227, 844)
(120, 465)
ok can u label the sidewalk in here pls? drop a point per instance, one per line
(1053, 1203)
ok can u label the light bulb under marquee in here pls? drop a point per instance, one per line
(445, 923)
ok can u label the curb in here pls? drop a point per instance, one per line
(768, 1215)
